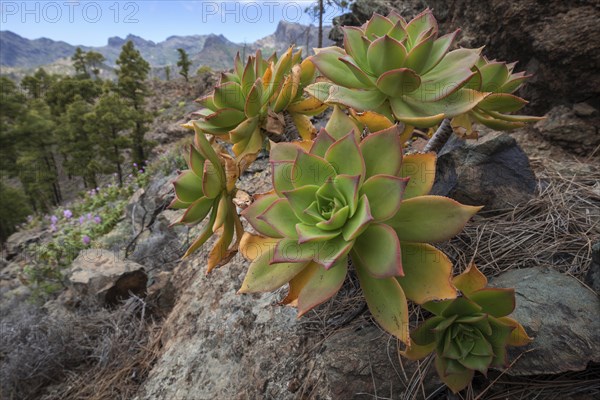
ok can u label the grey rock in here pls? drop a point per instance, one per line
(573, 129)
(492, 171)
(560, 314)
(17, 242)
(592, 277)
(106, 276)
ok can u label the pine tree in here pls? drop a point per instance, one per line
(109, 118)
(184, 63)
(38, 84)
(36, 165)
(76, 143)
(79, 63)
(132, 74)
(168, 73)
(12, 105)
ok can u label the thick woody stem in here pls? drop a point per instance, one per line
(439, 138)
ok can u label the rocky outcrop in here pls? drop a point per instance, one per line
(492, 171)
(575, 129)
(107, 276)
(562, 317)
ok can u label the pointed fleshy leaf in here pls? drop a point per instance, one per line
(309, 169)
(178, 204)
(359, 221)
(229, 95)
(337, 220)
(225, 117)
(378, 251)
(513, 84)
(285, 94)
(494, 75)
(385, 195)
(283, 151)
(417, 352)
(495, 301)
(300, 199)
(204, 235)
(262, 276)
(196, 161)
(360, 100)
(212, 186)
(502, 102)
(345, 157)
(461, 306)
(319, 90)
(280, 216)
(207, 101)
(188, 186)
(329, 64)
(322, 142)
(254, 100)
(398, 82)
(303, 125)
(423, 22)
(347, 186)
(385, 54)
(470, 280)
(244, 130)
(251, 213)
(420, 168)
(249, 75)
(253, 246)
(308, 106)
(417, 57)
(424, 334)
(373, 121)
(282, 176)
(456, 381)
(207, 151)
(518, 336)
(355, 45)
(325, 253)
(386, 301)
(436, 307)
(430, 219)
(498, 339)
(377, 26)
(310, 233)
(339, 125)
(221, 249)
(439, 49)
(321, 285)
(398, 32)
(427, 273)
(382, 152)
(197, 211)
(358, 73)
(224, 207)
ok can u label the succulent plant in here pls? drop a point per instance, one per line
(398, 70)
(341, 198)
(498, 79)
(469, 333)
(248, 102)
(208, 187)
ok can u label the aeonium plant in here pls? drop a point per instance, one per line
(469, 333)
(341, 198)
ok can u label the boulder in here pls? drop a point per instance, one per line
(18, 241)
(492, 171)
(107, 276)
(560, 314)
(574, 129)
(592, 277)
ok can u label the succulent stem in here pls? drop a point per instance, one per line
(439, 138)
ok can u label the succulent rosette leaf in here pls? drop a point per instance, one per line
(469, 333)
(345, 198)
(207, 189)
(399, 70)
(248, 103)
(500, 80)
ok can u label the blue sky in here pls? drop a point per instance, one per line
(91, 23)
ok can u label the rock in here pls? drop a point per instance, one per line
(560, 314)
(573, 129)
(107, 276)
(162, 292)
(492, 171)
(18, 241)
(592, 277)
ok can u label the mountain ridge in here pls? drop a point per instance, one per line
(214, 50)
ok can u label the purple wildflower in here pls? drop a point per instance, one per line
(81, 220)
(52, 228)
(97, 219)
(67, 214)
(86, 239)
(89, 216)
(53, 219)
(135, 165)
